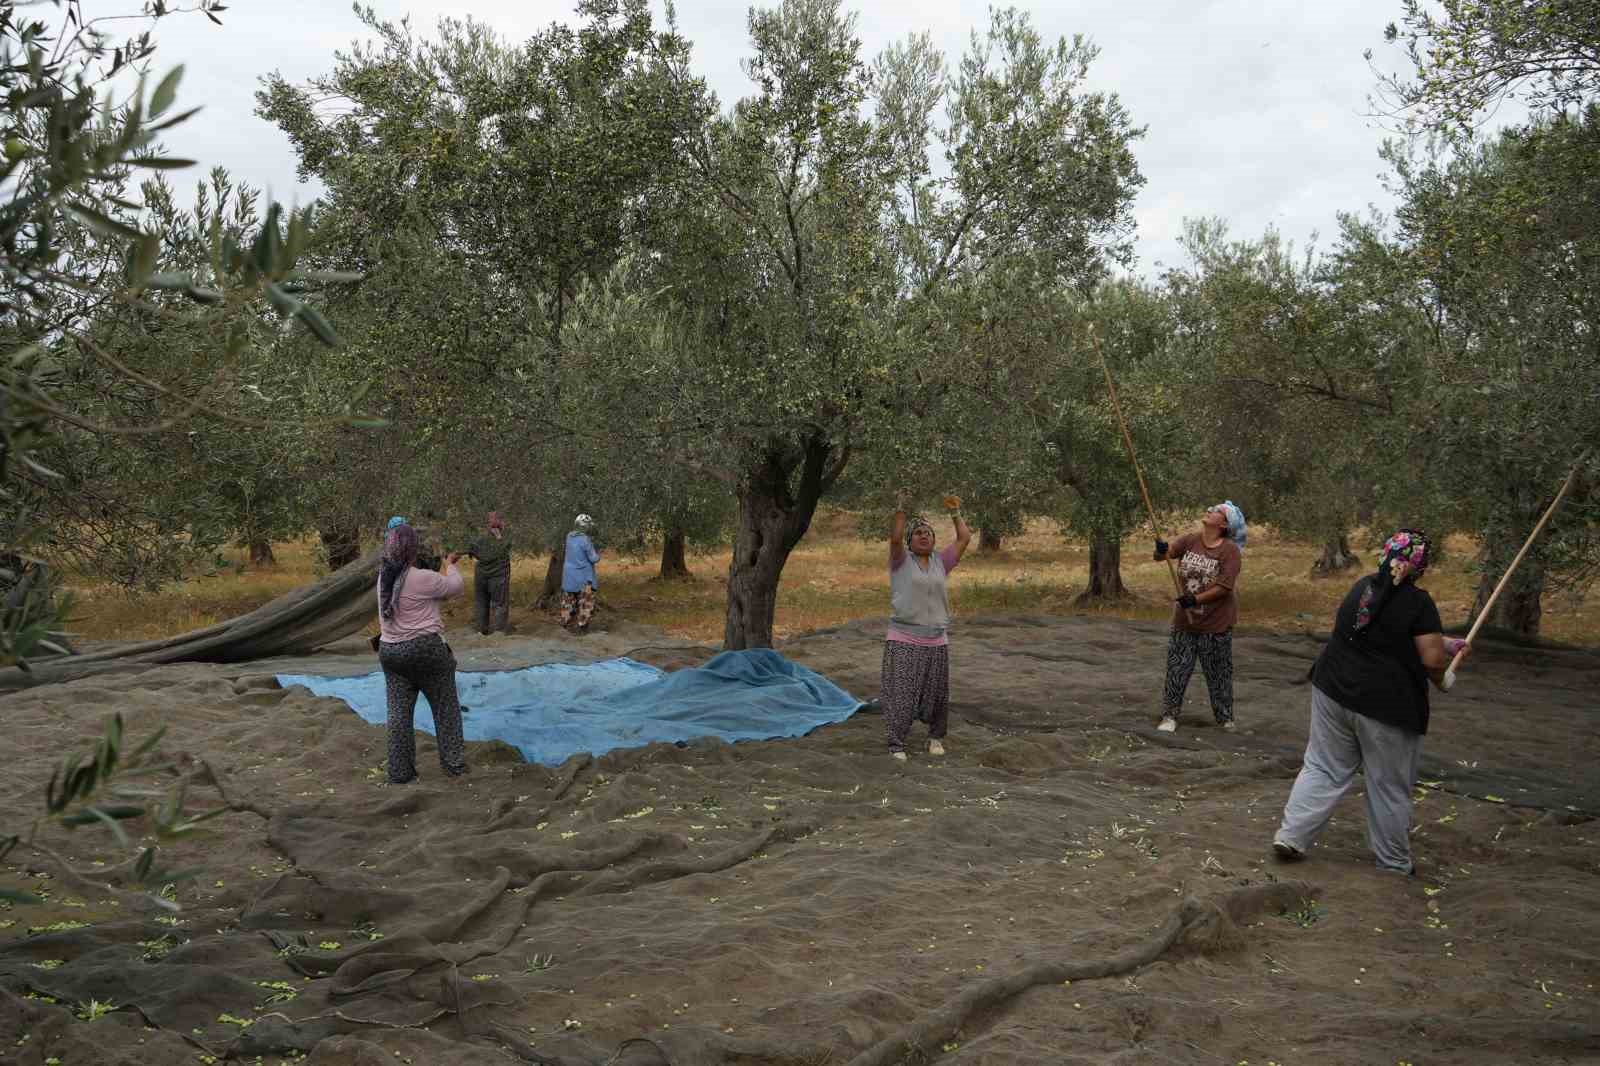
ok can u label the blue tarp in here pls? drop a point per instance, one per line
(552, 712)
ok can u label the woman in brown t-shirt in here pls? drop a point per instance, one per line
(1203, 616)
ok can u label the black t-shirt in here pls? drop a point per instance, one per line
(1378, 673)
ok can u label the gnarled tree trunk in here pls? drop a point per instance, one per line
(772, 519)
(261, 553)
(1518, 609)
(1105, 572)
(341, 543)
(550, 593)
(988, 543)
(1336, 557)
(674, 554)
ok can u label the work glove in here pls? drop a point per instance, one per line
(1188, 602)
(1161, 549)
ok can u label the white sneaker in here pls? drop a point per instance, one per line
(1227, 727)
(899, 756)
(1168, 724)
(935, 747)
(1286, 851)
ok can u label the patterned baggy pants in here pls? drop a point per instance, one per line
(423, 664)
(1215, 652)
(915, 687)
(1340, 743)
(491, 602)
(577, 606)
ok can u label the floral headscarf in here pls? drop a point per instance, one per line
(1404, 558)
(400, 546)
(916, 522)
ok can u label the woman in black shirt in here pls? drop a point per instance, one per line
(1369, 706)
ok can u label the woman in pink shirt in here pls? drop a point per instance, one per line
(414, 656)
(915, 684)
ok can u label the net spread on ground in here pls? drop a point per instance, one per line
(552, 712)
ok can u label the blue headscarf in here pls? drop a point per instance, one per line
(397, 520)
(1238, 531)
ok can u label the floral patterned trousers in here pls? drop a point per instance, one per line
(914, 687)
(578, 606)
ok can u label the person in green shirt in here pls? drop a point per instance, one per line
(491, 583)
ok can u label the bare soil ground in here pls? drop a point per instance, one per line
(1066, 886)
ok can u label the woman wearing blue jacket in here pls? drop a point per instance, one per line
(578, 577)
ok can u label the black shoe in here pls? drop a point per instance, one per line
(460, 772)
(407, 781)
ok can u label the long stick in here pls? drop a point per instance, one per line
(1488, 605)
(1133, 457)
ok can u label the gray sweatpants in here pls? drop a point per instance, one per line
(1342, 742)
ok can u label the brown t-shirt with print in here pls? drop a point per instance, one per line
(1200, 567)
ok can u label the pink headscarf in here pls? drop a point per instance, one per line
(497, 521)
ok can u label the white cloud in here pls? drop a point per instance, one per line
(1256, 111)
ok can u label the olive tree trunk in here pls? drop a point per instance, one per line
(1519, 607)
(1105, 572)
(777, 500)
(261, 553)
(341, 543)
(1336, 557)
(988, 543)
(674, 554)
(550, 592)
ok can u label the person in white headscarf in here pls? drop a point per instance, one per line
(578, 580)
(1204, 614)
(915, 685)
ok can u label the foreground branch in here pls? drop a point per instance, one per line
(1191, 917)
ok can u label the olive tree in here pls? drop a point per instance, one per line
(112, 330)
(528, 167)
(811, 283)
(1467, 56)
(1502, 243)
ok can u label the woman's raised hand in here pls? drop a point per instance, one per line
(952, 503)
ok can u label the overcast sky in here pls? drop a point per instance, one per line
(1256, 111)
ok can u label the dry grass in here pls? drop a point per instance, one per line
(835, 577)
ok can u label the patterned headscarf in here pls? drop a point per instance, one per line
(397, 520)
(496, 520)
(916, 522)
(400, 547)
(1238, 532)
(1404, 558)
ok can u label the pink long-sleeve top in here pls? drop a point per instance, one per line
(416, 604)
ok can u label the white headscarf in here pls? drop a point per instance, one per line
(1238, 532)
